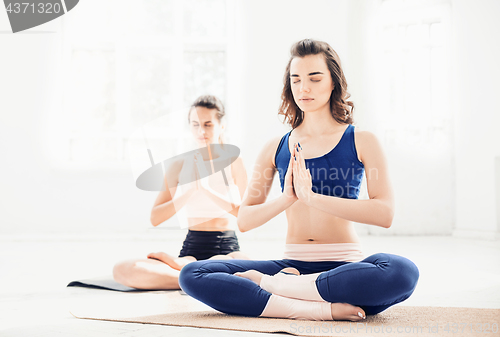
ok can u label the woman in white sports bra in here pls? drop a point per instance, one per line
(209, 203)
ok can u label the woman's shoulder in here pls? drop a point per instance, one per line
(178, 163)
(174, 167)
(365, 141)
(364, 136)
(274, 142)
(360, 132)
(272, 146)
(238, 164)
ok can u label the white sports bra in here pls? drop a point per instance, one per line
(200, 205)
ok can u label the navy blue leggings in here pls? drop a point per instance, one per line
(374, 284)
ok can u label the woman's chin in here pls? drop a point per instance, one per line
(203, 143)
(304, 108)
(307, 109)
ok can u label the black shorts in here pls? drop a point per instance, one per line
(205, 244)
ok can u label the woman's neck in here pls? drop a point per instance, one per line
(214, 153)
(317, 122)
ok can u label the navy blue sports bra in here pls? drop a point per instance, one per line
(338, 173)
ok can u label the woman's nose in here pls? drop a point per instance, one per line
(201, 130)
(304, 87)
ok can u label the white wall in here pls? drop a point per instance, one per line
(450, 187)
(36, 198)
(33, 197)
(477, 115)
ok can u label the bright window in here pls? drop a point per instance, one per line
(129, 63)
(413, 70)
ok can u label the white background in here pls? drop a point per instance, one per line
(452, 192)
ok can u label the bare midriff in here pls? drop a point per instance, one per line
(308, 225)
(209, 224)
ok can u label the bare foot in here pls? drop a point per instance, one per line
(165, 258)
(290, 270)
(256, 276)
(252, 275)
(221, 257)
(238, 256)
(347, 312)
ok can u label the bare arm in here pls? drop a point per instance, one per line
(254, 210)
(378, 210)
(168, 202)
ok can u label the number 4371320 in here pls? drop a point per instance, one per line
(26, 7)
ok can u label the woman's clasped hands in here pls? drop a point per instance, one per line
(298, 180)
(199, 175)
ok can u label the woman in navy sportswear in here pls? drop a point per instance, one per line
(320, 163)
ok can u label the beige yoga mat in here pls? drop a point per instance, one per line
(172, 308)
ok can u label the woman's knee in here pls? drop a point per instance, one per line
(196, 271)
(189, 275)
(409, 273)
(403, 271)
(123, 271)
(379, 259)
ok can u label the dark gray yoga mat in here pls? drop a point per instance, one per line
(105, 283)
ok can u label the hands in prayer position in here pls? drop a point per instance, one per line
(298, 180)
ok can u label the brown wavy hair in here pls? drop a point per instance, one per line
(340, 108)
(209, 102)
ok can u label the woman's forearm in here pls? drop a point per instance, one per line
(165, 211)
(372, 211)
(223, 201)
(253, 216)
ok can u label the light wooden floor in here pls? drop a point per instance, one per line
(34, 272)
